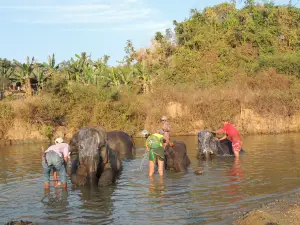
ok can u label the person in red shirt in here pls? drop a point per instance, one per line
(232, 134)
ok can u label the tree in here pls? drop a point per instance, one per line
(23, 74)
(50, 67)
(6, 71)
(158, 37)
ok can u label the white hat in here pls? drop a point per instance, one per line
(59, 140)
(145, 133)
(163, 118)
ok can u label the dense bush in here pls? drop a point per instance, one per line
(6, 118)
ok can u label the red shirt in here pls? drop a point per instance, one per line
(231, 132)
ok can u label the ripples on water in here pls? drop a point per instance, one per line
(226, 188)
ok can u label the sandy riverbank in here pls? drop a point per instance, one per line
(283, 211)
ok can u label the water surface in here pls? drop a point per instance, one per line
(268, 170)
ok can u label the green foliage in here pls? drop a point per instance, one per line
(287, 63)
(48, 132)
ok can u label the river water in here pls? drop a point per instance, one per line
(268, 170)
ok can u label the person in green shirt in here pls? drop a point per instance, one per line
(154, 145)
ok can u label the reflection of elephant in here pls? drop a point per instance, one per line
(208, 146)
(121, 143)
(92, 160)
(176, 157)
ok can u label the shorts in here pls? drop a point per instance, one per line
(237, 146)
(157, 153)
(54, 161)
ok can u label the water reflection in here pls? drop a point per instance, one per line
(55, 204)
(157, 187)
(235, 177)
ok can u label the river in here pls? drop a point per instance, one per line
(268, 170)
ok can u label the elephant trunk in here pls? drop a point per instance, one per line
(91, 164)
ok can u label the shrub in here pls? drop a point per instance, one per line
(287, 63)
(6, 118)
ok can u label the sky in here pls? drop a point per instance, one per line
(65, 27)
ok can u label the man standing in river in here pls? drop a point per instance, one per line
(56, 157)
(154, 145)
(232, 134)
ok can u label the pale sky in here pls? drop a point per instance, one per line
(66, 27)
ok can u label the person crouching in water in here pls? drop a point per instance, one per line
(232, 134)
(154, 145)
(56, 157)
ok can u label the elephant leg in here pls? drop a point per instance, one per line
(78, 180)
(80, 177)
(107, 177)
(179, 167)
(166, 162)
(187, 161)
(72, 167)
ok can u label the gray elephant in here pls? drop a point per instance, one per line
(92, 160)
(208, 146)
(176, 157)
(121, 143)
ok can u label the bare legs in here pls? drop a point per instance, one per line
(46, 185)
(236, 154)
(160, 167)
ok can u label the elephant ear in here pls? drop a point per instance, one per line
(101, 133)
(73, 144)
(104, 154)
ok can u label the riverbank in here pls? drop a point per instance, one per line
(268, 108)
(284, 211)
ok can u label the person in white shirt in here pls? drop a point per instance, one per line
(56, 157)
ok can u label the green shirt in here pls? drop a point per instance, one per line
(154, 141)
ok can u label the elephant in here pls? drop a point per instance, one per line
(208, 146)
(92, 160)
(121, 143)
(176, 157)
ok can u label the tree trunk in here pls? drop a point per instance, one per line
(28, 89)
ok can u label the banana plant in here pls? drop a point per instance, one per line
(41, 74)
(100, 69)
(81, 68)
(50, 67)
(143, 76)
(111, 78)
(6, 71)
(23, 74)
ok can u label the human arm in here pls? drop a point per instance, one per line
(66, 153)
(219, 131)
(170, 143)
(223, 138)
(147, 146)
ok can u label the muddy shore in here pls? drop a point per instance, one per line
(283, 211)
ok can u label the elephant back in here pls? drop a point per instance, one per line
(176, 156)
(120, 142)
